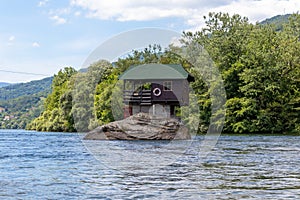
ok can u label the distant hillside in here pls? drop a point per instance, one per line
(22, 102)
(277, 20)
(3, 84)
(21, 89)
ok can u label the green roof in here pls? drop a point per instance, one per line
(154, 72)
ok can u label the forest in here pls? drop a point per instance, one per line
(22, 102)
(259, 65)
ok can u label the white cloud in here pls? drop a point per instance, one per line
(191, 11)
(58, 20)
(61, 11)
(35, 44)
(11, 38)
(259, 10)
(77, 13)
(42, 3)
(137, 10)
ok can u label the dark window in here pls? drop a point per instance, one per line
(168, 86)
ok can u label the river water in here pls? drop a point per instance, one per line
(35, 165)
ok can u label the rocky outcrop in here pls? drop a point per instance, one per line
(141, 126)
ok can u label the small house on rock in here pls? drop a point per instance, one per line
(157, 89)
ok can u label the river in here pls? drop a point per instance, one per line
(35, 165)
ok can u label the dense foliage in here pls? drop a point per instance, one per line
(58, 104)
(22, 103)
(260, 69)
(20, 111)
(259, 65)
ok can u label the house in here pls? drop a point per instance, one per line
(2, 109)
(9, 117)
(6, 118)
(157, 89)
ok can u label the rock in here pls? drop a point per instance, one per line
(141, 126)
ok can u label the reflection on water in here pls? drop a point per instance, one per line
(59, 166)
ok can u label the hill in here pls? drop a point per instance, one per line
(3, 84)
(21, 89)
(22, 102)
(277, 20)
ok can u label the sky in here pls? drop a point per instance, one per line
(40, 37)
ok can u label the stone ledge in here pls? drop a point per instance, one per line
(141, 126)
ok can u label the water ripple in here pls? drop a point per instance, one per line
(37, 165)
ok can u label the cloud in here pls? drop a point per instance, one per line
(58, 20)
(258, 10)
(191, 11)
(35, 44)
(11, 38)
(134, 10)
(60, 11)
(77, 13)
(42, 3)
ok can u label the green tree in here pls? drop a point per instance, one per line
(260, 68)
(83, 110)
(56, 116)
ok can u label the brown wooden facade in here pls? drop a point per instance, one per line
(157, 96)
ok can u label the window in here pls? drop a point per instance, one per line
(168, 86)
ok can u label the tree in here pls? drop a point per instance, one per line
(83, 110)
(56, 116)
(259, 66)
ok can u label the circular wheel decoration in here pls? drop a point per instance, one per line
(157, 92)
